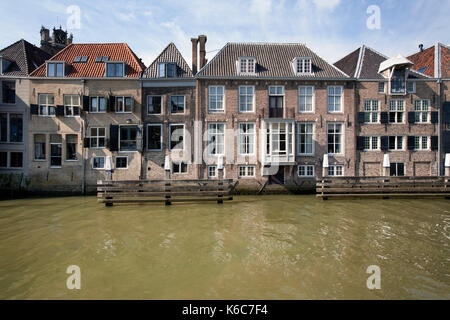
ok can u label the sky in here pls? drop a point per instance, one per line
(332, 28)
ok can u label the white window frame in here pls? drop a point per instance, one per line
(333, 168)
(244, 96)
(303, 96)
(56, 68)
(71, 105)
(115, 71)
(420, 110)
(104, 162)
(179, 163)
(215, 172)
(342, 137)
(34, 147)
(394, 106)
(251, 138)
(97, 137)
(334, 95)
(421, 140)
(98, 104)
(47, 106)
(246, 171)
(76, 148)
(247, 65)
(302, 64)
(413, 86)
(150, 96)
(115, 162)
(184, 103)
(216, 95)
(396, 169)
(306, 167)
(50, 152)
(312, 134)
(369, 107)
(160, 125)
(124, 99)
(215, 133)
(397, 138)
(170, 136)
(384, 87)
(371, 140)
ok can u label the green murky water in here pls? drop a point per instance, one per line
(272, 247)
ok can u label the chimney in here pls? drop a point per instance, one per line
(45, 34)
(194, 55)
(202, 39)
(420, 47)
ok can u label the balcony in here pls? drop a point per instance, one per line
(278, 142)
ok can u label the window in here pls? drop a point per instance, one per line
(121, 162)
(212, 172)
(166, 70)
(98, 59)
(55, 150)
(154, 137)
(154, 104)
(246, 98)
(305, 171)
(422, 111)
(334, 138)
(3, 159)
(46, 105)
(303, 65)
(421, 143)
(276, 101)
(381, 87)
(247, 65)
(9, 92)
(128, 138)
(179, 167)
(216, 138)
(371, 143)
(82, 59)
(336, 171)
(15, 127)
(305, 139)
(411, 86)
(16, 159)
(3, 127)
(98, 104)
(98, 138)
(396, 110)
(306, 99)
(177, 104)
(176, 136)
(114, 69)
(98, 163)
(216, 99)
(124, 104)
(395, 143)
(246, 138)
(335, 98)
(398, 82)
(39, 147)
(397, 169)
(71, 147)
(246, 171)
(279, 138)
(55, 69)
(104, 59)
(72, 105)
(371, 111)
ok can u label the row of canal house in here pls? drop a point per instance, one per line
(274, 112)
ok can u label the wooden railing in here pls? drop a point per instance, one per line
(344, 187)
(167, 191)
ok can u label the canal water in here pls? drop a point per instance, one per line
(270, 247)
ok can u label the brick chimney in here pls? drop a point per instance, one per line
(202, 39)
(194, 55)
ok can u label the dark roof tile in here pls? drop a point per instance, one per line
(169, 54)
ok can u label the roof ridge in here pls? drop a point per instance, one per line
(135, 57)
(11, 45)
(25, 56)
(360, 61)
(377, 52)
(336, 68)
(269, 43)
(213, 58)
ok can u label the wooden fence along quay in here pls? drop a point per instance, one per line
(383, 187)
(166, 191)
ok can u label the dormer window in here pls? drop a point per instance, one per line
(247, 65)
(115, 69)
(55, 69)
(303, 66)
(398, 82)
(4, 64)
(167, 70)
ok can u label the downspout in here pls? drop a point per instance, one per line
(83, 154)
(439, 129)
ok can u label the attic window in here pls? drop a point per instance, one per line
(80, 59)
(247, 65)
(84, 59)
(4, 64)
(303, 66)
(98, 59)
(55, 69)
(166, 70)
(115, 69)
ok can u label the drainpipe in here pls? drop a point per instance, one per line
(83, 154)
(439, 129)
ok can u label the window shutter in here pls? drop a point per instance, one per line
(60, 111)
(86, 143)
(447, 112)
(410, 142)
(447, 142)
(86, 103)
(34, 109)
(360, 143)
(434, 117)
(76, 111)
(411, 117)
(112, 103)
(361, 117)
(384, 143)
(434, 143)
(113, 137)
(139, 138)
(384, 117)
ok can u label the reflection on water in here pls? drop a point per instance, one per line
(272, 247)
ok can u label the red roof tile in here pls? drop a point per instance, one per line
(92, 69)
(445, 62)
(424, 61)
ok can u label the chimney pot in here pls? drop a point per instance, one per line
(421, 47)
(194, 55)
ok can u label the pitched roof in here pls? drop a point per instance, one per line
(169, 54)
(24, 56)
(433, 61)
(273, 60)
(363, 63)
(90, 68)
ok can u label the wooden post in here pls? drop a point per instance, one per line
(220, 186)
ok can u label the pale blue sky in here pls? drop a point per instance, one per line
(332, 28)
